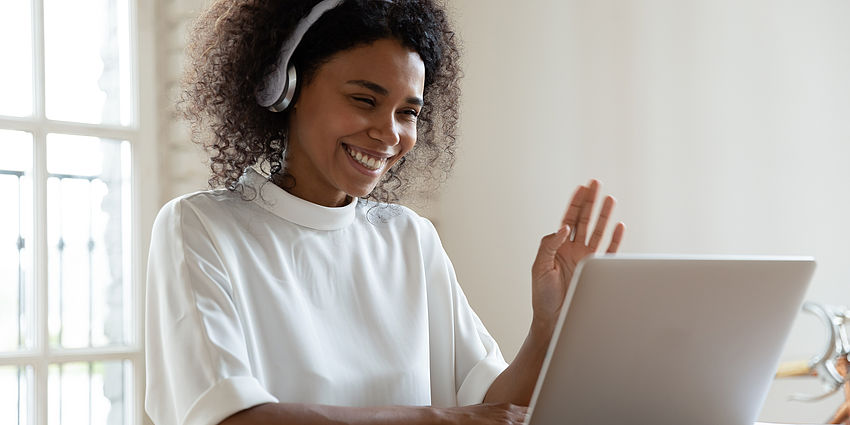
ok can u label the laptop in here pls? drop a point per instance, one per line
(662, 340)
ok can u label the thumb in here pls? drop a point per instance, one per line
(549, 245)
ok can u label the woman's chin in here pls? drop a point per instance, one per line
(358, 191)
(360, 188)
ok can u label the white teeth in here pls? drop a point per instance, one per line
(366, 160)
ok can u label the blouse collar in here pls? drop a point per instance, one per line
(299, 211)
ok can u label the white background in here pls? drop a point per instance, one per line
(720, 126)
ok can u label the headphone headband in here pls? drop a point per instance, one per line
(278, 88)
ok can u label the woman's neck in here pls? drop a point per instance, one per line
(314, 194)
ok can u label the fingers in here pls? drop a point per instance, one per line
(519, 417)
(549, 246)
(578, 215)
(586, 210)
(602, 222)
(571, 215)
(516, 414)
(616, 238)
(519, 413)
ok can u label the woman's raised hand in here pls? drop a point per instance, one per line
(560, 252)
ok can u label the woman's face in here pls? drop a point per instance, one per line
(354, 120)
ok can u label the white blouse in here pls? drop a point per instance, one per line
(278, 299)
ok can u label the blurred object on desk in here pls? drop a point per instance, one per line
(831, 365)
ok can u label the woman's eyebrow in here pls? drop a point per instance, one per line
(379, 89)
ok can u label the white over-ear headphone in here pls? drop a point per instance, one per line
(278, 88)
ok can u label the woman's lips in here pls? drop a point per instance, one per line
(367, 159)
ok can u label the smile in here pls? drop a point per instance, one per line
(370, 162)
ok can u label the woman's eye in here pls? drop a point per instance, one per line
(409, 115)
(365, 100)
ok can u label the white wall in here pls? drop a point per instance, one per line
(721, 126)
(181, 163)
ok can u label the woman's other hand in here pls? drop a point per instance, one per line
(483, 414)
(317, 414)
(560, 252)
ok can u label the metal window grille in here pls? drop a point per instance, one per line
(75, 354)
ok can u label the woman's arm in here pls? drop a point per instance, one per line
(516, 383)
(557, 258)
(315, 414)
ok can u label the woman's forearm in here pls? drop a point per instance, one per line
(317, 414)
(516, 383)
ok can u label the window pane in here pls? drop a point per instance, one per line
(15, 396)
(16, 48)
(16, 285)
(91, 393)
(87, 61)
(88, 230)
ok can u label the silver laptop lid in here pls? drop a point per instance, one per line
(660, 339)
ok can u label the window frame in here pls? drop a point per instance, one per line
(144, 195)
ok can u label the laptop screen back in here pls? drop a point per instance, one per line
(669, 340)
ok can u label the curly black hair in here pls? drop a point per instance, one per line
(235, 42)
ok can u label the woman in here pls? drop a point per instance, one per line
(290, 298)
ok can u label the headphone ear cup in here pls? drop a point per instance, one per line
(290, 89)
(278, 91)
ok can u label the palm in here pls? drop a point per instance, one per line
(560, 252)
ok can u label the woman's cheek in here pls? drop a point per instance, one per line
(411, 142)
(355, 121)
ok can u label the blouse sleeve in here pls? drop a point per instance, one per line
(197, 365)
(478, 360)
(476, 355)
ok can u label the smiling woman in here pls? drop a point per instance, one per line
(229, 56)
(280, 298)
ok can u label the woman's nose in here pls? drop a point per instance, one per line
(385, 129)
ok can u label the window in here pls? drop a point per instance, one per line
(70, 292)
